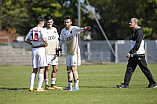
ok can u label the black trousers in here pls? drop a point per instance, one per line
(132, 63)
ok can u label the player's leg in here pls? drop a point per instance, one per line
(76, 61)
(69, 73)
(53, 77)
(46, 73)
(76, 80)
(32, 78)
(35, 69)
(40, 78)
(42, 62)
(70, 77)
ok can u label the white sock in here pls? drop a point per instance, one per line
(76, 84)
(32, 79)
(40, 80)
(53, 80)
(46, 81)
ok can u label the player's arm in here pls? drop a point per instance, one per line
(43, 34)
(61, 39)
(83, 29)
(60, 43)
(45, 42)
(28, 41)
(87, 28)
(27, 38)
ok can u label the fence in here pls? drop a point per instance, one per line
(99, 51)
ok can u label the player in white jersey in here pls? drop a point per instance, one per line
(69, 34)
(35, 37)
(52, 40)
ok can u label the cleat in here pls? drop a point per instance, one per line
(56, 87)
(40, 90)
(75, 88)
(31, 89)
(152, 85)
(67, 88)
(48, 88)
(123, 86)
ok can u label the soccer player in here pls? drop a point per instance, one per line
(137, 56)
(69, 34)
(35, 37)
(52, 40)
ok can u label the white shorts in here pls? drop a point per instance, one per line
(51, 60)
(39, 58)
(73, 60)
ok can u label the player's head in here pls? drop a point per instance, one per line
(67, 21)
(40, 21)
(133, 22)
(49, 21)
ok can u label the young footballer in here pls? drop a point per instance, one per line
(35, 37)
(69, 34)
(52, 40)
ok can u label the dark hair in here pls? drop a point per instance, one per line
(68, 17)
(39, 19)
(49, 18)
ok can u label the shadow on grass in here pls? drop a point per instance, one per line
(4, 88)
(96, 87)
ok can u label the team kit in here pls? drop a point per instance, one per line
(46, 46)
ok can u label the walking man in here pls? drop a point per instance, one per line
(137, 56)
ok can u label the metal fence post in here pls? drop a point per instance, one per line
(116, 52)
(146, 51)
(88, 50)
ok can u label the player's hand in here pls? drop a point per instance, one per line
(87, 28)
(128, 55)
(57, 52)
(46, 44)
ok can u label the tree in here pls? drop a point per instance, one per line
(114, 15)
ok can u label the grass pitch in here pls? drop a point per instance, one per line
(97, 86)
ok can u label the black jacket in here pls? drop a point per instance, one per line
(137, 36)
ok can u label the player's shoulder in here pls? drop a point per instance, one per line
(64, 29)
(74, 27)
(45, 28)
(54, 28)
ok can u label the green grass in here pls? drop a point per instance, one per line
(97, 86)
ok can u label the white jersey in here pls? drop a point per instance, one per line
(36, 35)
(52, 40)
(71, 39)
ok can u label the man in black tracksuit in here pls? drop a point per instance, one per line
(137, 56)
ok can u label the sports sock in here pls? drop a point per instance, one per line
(32, 79)
(40, 80)
(70, 84)
(53, 80)
(46, 81)
(76, 83)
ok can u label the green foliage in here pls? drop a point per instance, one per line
(115, 15)
(97, 86)
(147, 31)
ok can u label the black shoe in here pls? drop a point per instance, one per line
(123, 86)
(152, 85)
